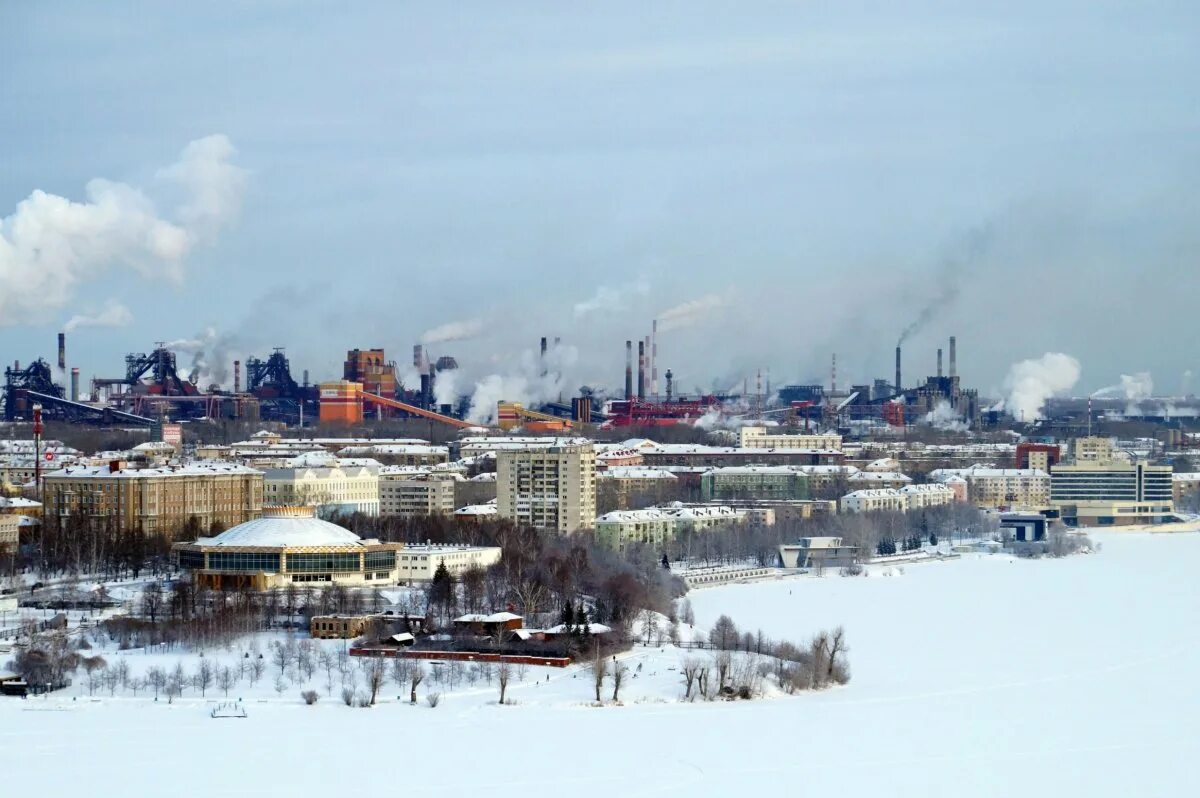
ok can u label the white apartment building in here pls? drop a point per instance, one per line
(920, 497)
(873, 500)
(655, 525)
(332, 489)
(760, 438)
(549, 488)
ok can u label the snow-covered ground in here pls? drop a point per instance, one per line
(980, 676)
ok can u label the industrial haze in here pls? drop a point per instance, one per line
(773, 187)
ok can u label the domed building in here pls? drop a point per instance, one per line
(287, 545)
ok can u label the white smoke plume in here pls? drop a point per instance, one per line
(945, 418)
(1133, 388)
(531, 382)
(445, 387)
(689, 313)
(1031, 382)
(51, 245)
(610, 300)
(114, 314)
(212, 354)
(453, 331)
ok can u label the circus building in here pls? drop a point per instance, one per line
(288, 545)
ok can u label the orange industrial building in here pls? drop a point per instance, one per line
(371, 368)
(342, 403)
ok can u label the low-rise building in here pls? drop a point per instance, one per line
(420, 563)
(333, 490)
(763, 438)
(1000, 488)
(408, 495)
(655, 525)
(634, 487)
(921, 497)
(869, 480)
(874, 500)
(817, 553)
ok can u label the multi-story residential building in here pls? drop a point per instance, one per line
(870, 480)
(873, 500)
(760, 438)
(1093, 450)
(332, 490)
(407, 495)
(1185, 488)
(690, 454)
(920, 497)
(10, 529)
(753, 482)
(550, 488)
(1000, 488)
(655, 525)
(411, 454)
(154, 500)
(1112, 493)
(1038, 455)
(634, 487)
(828, 480)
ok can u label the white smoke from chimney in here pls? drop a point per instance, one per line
(1133, 388)
(212, 355)
(525, 382)
(453, 331)
(944, 417)
(689, 313)
(114, 314)
(1031, 382)
(50, 244)
(610, 300)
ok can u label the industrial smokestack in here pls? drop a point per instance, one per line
(654, 358)
(543, 356)
(953, 358)
(74, 385)
(670, 384)
(419, 357)
(897, 386)
(629, 369)
(432, 386)
(641, 394)
(237, 376)
(939, 362)
(62, 351)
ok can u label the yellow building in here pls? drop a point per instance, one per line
(331, 488)
(10, 529)
(153, 500)
(407, 495)
(760, 438)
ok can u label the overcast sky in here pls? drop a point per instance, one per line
(815, 173)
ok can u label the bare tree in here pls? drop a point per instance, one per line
(375, 671)
(691, 669)
(416, 675)
(156, 677)
(650, 627)
(502, 675)
(619, 671)
(686, 613)
(203, 678)
(226, 678)
(257, 668)
(327, 664)
(310, 697)
(433, 699)
(599, 672)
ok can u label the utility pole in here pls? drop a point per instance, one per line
(37, 451)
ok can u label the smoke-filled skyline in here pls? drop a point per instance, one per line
(793, 182)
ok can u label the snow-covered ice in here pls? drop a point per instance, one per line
(979, 677)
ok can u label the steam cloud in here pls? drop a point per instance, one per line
(689, 313)
(610, 300)
(1133, 388)
(114, 314)
(50, 245)
(1031, 382)
(212, 355)
(453, 331)
(944, 417)
(947, 282)
(526, 383)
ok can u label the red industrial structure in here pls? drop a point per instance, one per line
(632, 412)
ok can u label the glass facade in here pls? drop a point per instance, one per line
(191, 559)
(243, 561)
(310, 563)
(376, 560)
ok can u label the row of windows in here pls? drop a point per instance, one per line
(243, 561)
(323, 562)
(379, 559)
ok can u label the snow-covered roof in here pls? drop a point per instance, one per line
(495, 617)
(476, 509)
(203, 468)
(292, 527)
(880, 476)
(733, 471)
(592, 628)
(635, 472)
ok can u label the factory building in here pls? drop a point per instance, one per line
(287, 545)
(371, 368)
(549, 488)
(154, 500)
(1101, 488)
(332, 489)
(753, 482)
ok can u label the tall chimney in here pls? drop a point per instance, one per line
(897, 386)
(654, 358)
(419, 357)
(74, 397)
(237, 376)
(953, 358)
(670, 384)
(542, 361)
(62, 351)
(641, 394)
(432, 386)
(939, 362)
(629, 369)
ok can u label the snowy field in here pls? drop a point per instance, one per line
(978, 677)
